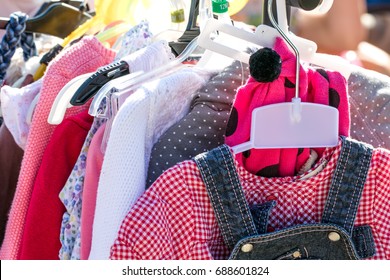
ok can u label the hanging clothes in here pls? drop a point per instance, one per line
(13, 136)
(145, 115)
(316, 85)
(145, 59)
(78, 199)
(93, 170)
(368, 91)
(71, 196)
(203, 128)
(84, 56)
(188, 228)
(245, 235)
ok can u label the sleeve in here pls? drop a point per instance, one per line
(160, 225)
(369, 93)
(382, 201)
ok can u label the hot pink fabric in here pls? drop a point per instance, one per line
(316, 85)
(83, 57)
(92, 174)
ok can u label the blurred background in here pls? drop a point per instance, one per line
(358, 30)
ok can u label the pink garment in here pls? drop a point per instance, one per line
(40, 239)
(83, 57)
(92, 174)
(316, 85)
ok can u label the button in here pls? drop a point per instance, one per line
(334, 236)
(247, 248)
(296, 254)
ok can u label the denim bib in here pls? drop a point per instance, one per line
(244, 228)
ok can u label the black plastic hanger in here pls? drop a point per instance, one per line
(97, 80)
(58, 19)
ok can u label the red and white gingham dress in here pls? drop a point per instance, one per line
(174, 219)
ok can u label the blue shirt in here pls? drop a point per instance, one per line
(378, 5)
(376, 2)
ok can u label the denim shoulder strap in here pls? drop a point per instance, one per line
(347, 184)
(226, 195)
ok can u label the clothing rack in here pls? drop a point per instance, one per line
(77, 188)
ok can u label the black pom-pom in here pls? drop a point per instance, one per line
(265, 65)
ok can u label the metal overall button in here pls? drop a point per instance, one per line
(246, 248)
(334, 236)
(296, 255)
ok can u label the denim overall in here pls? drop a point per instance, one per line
(244, 228)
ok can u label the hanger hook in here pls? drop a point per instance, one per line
(83, 6)
(285, 37)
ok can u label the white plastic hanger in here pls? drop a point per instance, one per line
(61, 103)
(264, 36)
(63, 98)
(127, 83)
(293, 124)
